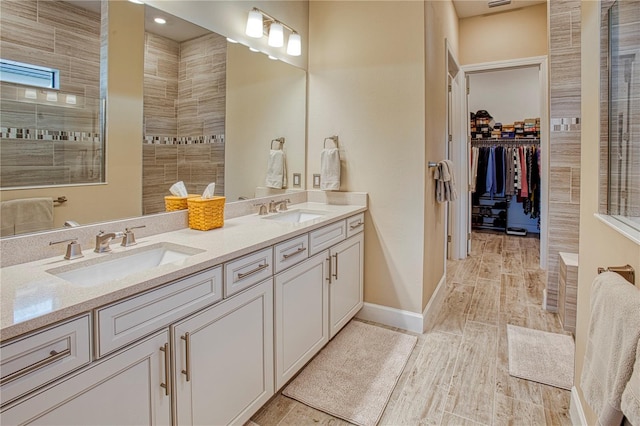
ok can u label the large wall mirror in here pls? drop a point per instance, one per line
(620, 112)
(210, 110)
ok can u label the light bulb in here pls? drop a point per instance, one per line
(294, 46)
(254, 24)
(276, 35)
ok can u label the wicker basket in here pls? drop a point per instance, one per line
(206, 214)
(173, 203)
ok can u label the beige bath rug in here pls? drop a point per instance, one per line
(541, 356)
(353, 376)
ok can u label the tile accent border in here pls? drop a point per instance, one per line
(183, 140)
(48, 135)
(571, 124)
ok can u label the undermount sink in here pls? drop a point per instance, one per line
(296, 216)
(120, 265)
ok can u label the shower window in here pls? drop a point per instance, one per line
(621, 112)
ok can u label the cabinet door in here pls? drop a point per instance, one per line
(124, 389)
(301, 313)
(346, 283)
(224, 359)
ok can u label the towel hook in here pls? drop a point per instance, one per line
(331, 138)
(432, 164)
(279, 140)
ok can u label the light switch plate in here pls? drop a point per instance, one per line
(296, 179)
(316, 181)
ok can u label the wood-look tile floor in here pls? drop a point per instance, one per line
(458, 373)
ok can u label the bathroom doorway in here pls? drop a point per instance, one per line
(510, 92)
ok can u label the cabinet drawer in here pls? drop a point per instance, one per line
(326, 237)
(355, 224)
(131, 319)
(291, 252)
(44, 356)
(247, 271)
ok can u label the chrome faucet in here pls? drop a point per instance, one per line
(282, 205)
(263, 209)
(129, 239)
(272, 206)
(103, 239)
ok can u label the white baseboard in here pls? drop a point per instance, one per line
(400, 318)
(436, 301)
(575, 409)
(391, 317)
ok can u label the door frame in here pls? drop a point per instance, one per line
(542, 63)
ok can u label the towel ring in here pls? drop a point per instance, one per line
(331, 138)
(279, 140)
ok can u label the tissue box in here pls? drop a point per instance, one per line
(173, 203)
(206, 213)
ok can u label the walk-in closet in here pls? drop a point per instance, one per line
(504, 108)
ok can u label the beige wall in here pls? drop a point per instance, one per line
(265, 100)
(368, 87)
(599, 244)
(441, 23)
(518, 33)
(92, 203)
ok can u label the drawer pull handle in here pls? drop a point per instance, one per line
(254, 271)
(336, 274)
(167, 369)
(187, 362)
(357, 225)
(53, 357)
(328, 259)
(300, 250)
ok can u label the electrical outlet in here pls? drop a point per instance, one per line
(316, 181)
(296, 179)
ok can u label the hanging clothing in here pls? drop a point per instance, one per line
(509, 172)
(491, 173)
(524, 190)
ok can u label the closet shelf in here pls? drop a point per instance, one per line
(504, 141)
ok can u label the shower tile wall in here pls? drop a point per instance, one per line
(624, 155)
(45, 142)
(564, 144)
(184, 115)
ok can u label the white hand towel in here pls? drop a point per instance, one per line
(26, 215)
(445, 182)
(276, 170)
(330, 169)
(631, 396)
(614, 331)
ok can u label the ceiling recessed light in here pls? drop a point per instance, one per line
(160, 21)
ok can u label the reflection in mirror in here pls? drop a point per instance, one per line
(621, 113)
(264, 100)
(51, 131)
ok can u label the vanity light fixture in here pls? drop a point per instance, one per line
(259, 20)
(276, 35)
(160, 21)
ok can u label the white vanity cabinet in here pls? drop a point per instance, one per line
(346, 282)
(301, 315)
(124, 389)
(224, 359)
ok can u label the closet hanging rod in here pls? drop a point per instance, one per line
(502, 141)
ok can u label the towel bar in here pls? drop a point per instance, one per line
(432, 164)
(279, 140)
(627, 272)
(331, 138)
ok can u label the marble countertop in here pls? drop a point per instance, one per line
(32, 298)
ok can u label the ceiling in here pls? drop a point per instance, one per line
(468, 8)
(175, 29)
